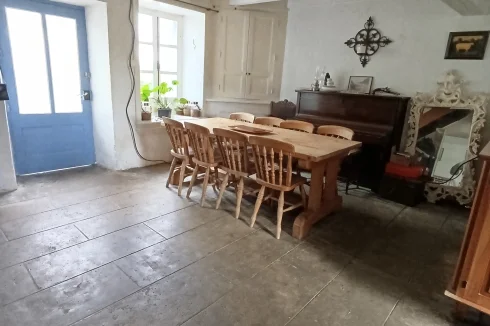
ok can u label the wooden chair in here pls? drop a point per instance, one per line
(298, 126)
(339, 132)
(201, 143)
(269, 121)
(301, 126)
(336, 132)
(266, 153)
(243, 116)
(236, 163)
(179, 151)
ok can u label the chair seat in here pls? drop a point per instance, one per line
(296, 181)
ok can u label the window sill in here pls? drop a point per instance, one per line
(238, 100)
(156, 124)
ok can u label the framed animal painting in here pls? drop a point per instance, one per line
(467, 45)
(360, 84)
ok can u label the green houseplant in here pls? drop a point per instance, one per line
(145, 92)
(163, 106)
(161, 101)
(180, 103)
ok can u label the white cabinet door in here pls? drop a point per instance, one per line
(261, 55)
(233, 53)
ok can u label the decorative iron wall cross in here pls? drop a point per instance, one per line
(367, 42)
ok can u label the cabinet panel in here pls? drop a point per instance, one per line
(478, 281)
(234, 52)
(260, 56)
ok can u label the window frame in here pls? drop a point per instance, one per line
(155, 14)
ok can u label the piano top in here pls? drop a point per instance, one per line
(385, 96)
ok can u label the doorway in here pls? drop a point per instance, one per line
(44, 61)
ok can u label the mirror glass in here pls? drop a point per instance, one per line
(442, 143)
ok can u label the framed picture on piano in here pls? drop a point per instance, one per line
(360, 84)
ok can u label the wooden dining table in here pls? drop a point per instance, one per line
(325, 155)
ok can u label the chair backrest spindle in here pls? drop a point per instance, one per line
(201, 142)
(267, 154)
(233, 147)
(177, 135)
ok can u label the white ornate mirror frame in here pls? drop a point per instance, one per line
(449, 95)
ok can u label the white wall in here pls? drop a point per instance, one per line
(317, 30)
(8, 180)
(151, 139)
(98, 50)
(194, 27)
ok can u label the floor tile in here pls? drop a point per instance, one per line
(74, 213)
(272, 297)
(15, 283)
(454, 228)
(433, 277)
(17, 210)
(371, 207)
(113, 221)
(73, 261)
(358, 296)
(175, 223)
(211, 236)
(58, 217)
(88, 194)
(390, 258)
(33, 246)
(158, 261)
(154, 263)
(168, 302)
(347, 232)
(422, 310)
(152, 194)
(425, 215)
(70, 301)
(3, 238)
(244, 258)
(418, 242)
(323, 262)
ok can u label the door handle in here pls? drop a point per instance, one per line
(86, 96)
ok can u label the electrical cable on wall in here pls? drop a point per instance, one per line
(133, 85)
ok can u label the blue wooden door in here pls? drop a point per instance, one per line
(44, 62)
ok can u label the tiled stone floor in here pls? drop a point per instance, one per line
(95, 247)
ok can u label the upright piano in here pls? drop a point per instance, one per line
(377, 121)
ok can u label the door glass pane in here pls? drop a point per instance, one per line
(145, 28)
(168, 79)
(29, 61)
(146, 57)
(167, 31)
(168, 59)
(65, 65)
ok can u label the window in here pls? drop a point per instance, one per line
(159, 49)
(39, 84)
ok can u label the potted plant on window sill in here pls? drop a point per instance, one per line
(145, 93)
(161, 101)
(180, 104)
